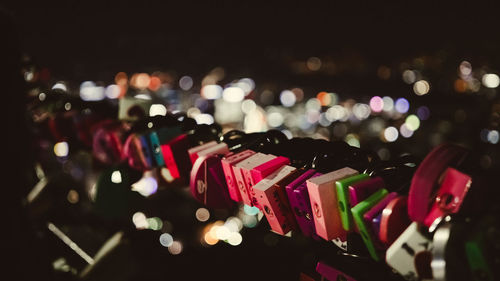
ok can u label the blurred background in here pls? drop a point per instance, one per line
(386, 78)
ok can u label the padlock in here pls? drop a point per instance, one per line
(271, 196)
(343, 203)
(410, 254)
(227, 164)
(176, 157)
(449, 197)
(159, 137)
(262, 171)
(301, 204)
(358, 213)
(323, 198)
(394, 220)
(426, 178)
(359, 191)
(243, 176)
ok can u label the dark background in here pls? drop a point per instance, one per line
(93, 40)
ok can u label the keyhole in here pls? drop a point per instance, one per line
(447, 202)
(268, 210)
(200, 186)
(408, 249)
(341, 206)
(316, 210)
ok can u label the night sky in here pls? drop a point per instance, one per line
(80, 40)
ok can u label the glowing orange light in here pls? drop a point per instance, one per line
(141, 80)
(460, 85)
(154, 83)
(121, 79)
(324, 98)
(209, 239)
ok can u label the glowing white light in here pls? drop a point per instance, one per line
(112, 91)
(67, 106)
(376, 104)
(493, 136)
(186, 82)
(312, 116)
(157, 109)
(234, 224)
(323, 120)
(233, 94)
(313, 104)
(388, 104)
(211, 92)
(246, 84)
(143, 96)
(146, 186)
(250, 221)
(287, 133)
(166, 175)
(202, 214)
(361, 111)
(409, 76)
(491, 80)
(204, 118)
(61, 149)
(421, 87)
(402, 105)
(42, 96)
(234, 239)
(166, 240)
(175, 248)
(116, 177)
(336, 112)
(140, 220)
(90, 92)
(288, 98)
(28, 76)
(391, 134)
(222, 232)
(275, 119)
(248, 106)
(60, 86)
(405, 132)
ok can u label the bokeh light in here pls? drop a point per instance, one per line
(233, 94)
(287, 98)
(421, 87)
(157, 109)
(412, 122)
(166, 240)
(186, 83)
(391, 134)
(61, 149)
(402, 105)
(491, 80)
(175, 248)
(202, 214)
(376, 104)
(211, 92)
(405, 132)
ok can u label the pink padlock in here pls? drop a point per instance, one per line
(449, 197)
